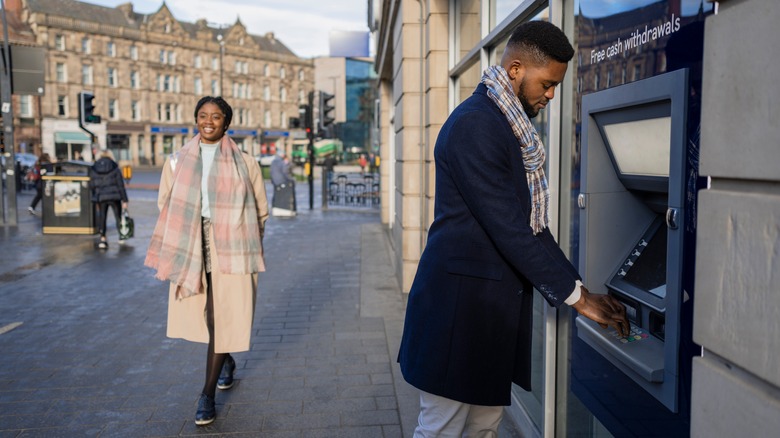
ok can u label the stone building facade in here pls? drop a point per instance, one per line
(147, 71)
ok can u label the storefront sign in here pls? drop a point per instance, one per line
(169, 130)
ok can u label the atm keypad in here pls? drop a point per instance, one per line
(635, 335)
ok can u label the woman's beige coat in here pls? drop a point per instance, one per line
(234, 295)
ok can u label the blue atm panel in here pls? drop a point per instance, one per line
(633, 200)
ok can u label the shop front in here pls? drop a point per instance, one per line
(245, 139)
(164, 140)
(64, 140)
(120, 140)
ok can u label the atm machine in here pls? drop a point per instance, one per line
(637, 242)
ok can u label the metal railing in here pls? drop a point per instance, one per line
(352, 190)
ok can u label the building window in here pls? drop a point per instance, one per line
(135, 82)
(86, 74)
(166, 83)
(176, 84)
(62, 106)
(283, 94)
(25, 106)
(198, 86)
(242, 67)
(301, 75)
(86, 46)
(266, 93)
(214, 87)
(59, 42)
(168, 112)
(159, 113)
(301, 96)
(267, 119)
(214, 63)
(197, 61)
(112, 81)
(135, 110)
(266, 70)
(112, 112)
(134, 53)
(637, 72)
(111, 49)
(172, 58)
(62, 74)
(282, 72)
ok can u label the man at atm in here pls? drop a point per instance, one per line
(467, 334)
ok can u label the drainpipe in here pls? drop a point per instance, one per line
(423, 154)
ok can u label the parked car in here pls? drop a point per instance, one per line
(265, 159)
(26, 162)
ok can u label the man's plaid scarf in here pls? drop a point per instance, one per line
(500, 91)
(175, 250)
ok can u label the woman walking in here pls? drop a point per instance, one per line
(41, 167)
(208, 244)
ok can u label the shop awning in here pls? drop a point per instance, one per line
(71, 137)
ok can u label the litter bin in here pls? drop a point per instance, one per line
(283, 202)
(67, 201)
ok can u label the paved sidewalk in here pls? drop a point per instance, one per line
(83, 351)
(90, 357)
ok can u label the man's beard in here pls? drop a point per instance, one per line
(530, 111)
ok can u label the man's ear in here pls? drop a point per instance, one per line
(516, 69)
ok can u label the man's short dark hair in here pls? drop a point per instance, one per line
(541, 41)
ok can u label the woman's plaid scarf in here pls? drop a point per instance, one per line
(175, 250)
(500, 91)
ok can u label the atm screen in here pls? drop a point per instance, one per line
(649, 269)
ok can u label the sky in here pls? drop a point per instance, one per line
(302, 25)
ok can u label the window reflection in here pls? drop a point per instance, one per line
(468, 25)
(468, 81)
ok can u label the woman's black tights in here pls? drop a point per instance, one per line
(214, 361)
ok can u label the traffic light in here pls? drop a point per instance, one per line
(327, 114)
(306, 117)
(87, 109)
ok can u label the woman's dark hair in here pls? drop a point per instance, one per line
(542, 41)
(218, 101)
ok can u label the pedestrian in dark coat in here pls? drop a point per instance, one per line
(108, 190)
(467, 333)
(41, 167)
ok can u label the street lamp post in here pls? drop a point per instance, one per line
(8, 214)
(221, 58)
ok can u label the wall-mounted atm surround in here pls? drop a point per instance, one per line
(633, 204)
